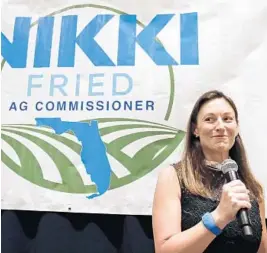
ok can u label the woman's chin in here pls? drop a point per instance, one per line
(222, 147)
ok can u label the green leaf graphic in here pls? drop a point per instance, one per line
(163, 140)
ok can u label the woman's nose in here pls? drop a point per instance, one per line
(220, 124)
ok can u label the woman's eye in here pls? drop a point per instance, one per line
(209, 119)
(228, 119)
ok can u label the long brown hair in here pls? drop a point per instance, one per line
(192, 166)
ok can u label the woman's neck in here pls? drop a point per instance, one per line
(216, 157)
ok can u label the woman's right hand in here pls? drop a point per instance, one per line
(234, 197)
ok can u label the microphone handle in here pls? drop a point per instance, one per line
(244, 223)
(231, 176)
(242, 215)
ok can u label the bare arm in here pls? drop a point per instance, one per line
(167, 219)
(263, 245)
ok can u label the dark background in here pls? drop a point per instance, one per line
(48, 232)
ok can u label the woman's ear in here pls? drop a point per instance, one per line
(196, 133)
(237, 131)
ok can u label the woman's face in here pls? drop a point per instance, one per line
(216, 126)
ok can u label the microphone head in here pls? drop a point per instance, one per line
(228, 165)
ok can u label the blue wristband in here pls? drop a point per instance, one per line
(210, 224)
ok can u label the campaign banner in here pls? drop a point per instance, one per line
(96, 95)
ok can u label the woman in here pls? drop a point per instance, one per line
(195, 186)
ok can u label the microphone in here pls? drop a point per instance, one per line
(229, 168)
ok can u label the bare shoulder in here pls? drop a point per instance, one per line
(168, 181)
(166, 211)
(168, 174)
(262, 212)
(262, 205)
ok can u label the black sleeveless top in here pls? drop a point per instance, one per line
(231, 240)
